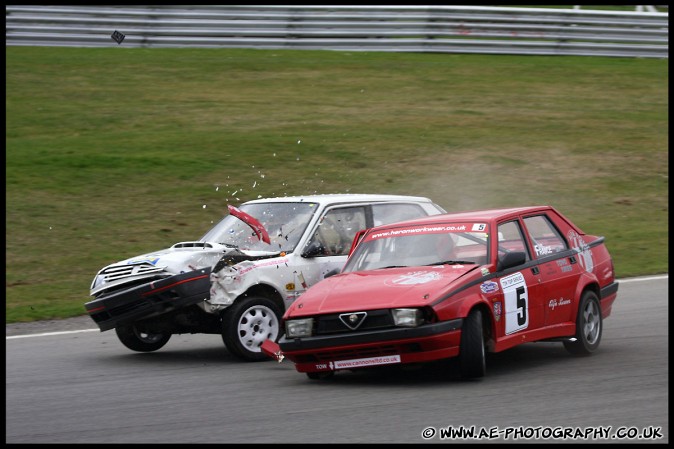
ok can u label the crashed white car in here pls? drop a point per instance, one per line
(239, 278)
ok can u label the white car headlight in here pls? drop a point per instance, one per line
(98, 280)
(299, 328)
(407, 317)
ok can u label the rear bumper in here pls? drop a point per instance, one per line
(154, 298)
(363, 349)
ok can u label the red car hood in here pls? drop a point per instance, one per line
(378, 289)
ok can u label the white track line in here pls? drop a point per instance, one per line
(648, 278)
(49, 333)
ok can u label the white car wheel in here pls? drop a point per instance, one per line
(247, 324)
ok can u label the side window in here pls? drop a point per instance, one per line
(392, 213)
(337, 229)
(510, 239)
(545, 236)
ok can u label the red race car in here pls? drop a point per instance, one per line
(451, 285)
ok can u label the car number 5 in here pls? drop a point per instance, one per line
(516, 298)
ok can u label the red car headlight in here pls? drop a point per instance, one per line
(299, 328)
(408, 317)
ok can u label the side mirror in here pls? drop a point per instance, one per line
(511, 259)
(313, 249)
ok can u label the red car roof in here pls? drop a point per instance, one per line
(488, 215)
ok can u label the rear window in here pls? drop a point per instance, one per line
(545, 236)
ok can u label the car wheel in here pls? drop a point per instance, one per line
(588, 326)
(140, 341)
(247, 323)
(320, 375)
(471, 352)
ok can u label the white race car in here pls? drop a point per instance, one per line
(239, 278)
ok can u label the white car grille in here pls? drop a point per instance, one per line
(118, 272)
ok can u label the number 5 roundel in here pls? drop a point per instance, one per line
(516, 298)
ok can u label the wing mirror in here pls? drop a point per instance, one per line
(313, 249)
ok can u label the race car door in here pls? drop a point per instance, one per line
(520, 289)
(559, 275)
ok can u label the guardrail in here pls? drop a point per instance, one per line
(442, 29)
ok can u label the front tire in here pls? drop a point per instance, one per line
(471, 352)
(247, 323)
(588, 326)
(140, 341)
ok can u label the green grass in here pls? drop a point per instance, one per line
(112, 152)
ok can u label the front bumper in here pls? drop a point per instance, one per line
(154, 298)
(381, 347)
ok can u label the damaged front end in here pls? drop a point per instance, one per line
(127, 306)
(138, 302)
(273, 350)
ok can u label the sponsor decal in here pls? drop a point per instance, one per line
(479, 227)
(415, 277)
(564, 265)
(439, 229)
(370, 361)
(485, 271)
(148, 260)
(264, 263)
(561, 302)
(489, 287)
(513, 279)
(542, 250)
(498, 310)
(582, 249)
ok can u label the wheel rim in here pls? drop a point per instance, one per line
(592, 324)
(146, 337)
(256, 325)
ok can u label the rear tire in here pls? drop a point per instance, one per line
(247, 323)
(472, 353)
(588, 326)
(139, 341)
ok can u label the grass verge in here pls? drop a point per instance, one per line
(112, 152)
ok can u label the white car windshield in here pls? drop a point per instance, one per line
(285, 223)
(417, 246)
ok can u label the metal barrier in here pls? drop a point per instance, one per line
(440, 29)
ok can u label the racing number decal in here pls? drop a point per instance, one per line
(521, 306)
(516, 298)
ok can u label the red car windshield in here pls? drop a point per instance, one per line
(460, 243)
